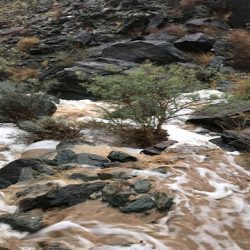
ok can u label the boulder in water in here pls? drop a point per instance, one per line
(143, 203)
(62, 197)
(121, 157)
(24, 222)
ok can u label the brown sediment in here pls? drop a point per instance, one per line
(196, 220)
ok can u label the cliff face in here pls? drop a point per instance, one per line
(66, 32)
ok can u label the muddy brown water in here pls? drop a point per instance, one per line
(211, 211)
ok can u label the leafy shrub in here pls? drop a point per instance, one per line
(27, 43)
(18, 104)
(143, 99)
(48, 128)
(240, 42)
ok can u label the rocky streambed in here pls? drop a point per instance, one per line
(82, 194)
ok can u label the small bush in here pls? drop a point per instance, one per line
(240, 43)
(17, 104)
(143, 99)
(27, 43)
(48, 128)
(175, 30)
(243, 88)
(20, 75)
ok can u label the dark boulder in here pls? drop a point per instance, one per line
(198, 42)
(89, 159)
(142, 186)
(139, 51)
(143, 203)
(24, 222)
(121, 157)
(64, 156)
(238, 11)
(62, 197)
(14, 171)
(67, 156)
(119, 199)
(163, 201)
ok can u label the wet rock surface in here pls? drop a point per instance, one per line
(24, 222)
(143, 203)
(121, 157)
(62, 197)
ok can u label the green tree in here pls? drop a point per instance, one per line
(145, 98)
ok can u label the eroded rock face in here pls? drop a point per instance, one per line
(24, 222)
(62, 197)
(239, 16)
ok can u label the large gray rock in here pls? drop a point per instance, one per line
(198, 42)
(121, 157)
(62, 197)
(69, 87)
(24, 222)
(220, 115)
(139, 51)
(143, 203)
(19, 170)
(238, 9)
(142, 186)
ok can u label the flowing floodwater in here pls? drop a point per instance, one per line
(209, 187)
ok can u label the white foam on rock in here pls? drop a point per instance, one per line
(46, 144)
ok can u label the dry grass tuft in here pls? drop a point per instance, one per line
(24, 74)
(240, 43)
(243, 88)
(27, 43)
(175, 30)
